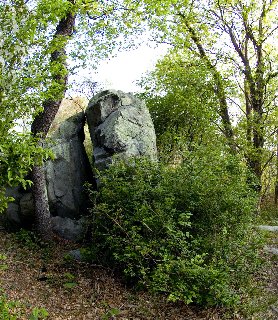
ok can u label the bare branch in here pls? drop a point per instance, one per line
(237, 104)
(271, 76)
(96, 17)
(273, 153)
(269, 34)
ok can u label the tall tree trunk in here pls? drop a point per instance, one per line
(43, 121)
(276, 180)
(255, 84)
(219, 90)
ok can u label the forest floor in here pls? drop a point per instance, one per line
(67, 289)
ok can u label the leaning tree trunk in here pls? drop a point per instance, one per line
(276, 178)
(219, 89)
(43, 121)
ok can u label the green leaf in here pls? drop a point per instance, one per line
(70, 285)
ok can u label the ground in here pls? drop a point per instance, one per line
(46, 278)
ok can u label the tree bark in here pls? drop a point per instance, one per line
(219, 89)
(42, 213)
(43, 121)
(255, 84)
(276, 180)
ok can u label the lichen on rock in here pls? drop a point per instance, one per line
(120, 125)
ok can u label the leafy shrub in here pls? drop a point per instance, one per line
(18, 153)
(7, 308)
(184, 231)
(13, 310)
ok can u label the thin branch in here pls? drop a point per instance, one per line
(237, 104)
(269, 34)
(273, 132)
(94, 18)
(271, 76)
(268, 161)
(250, 33)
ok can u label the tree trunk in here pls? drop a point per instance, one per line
(43, 121)
(276, 180)
(219, 90)
(42, 213)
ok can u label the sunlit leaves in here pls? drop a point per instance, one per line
(236, 41)
(49, 10)
(180, 96)
(18, 152)
(23, 79)
(28, 74)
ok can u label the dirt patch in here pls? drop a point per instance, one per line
(74, 290)
(40, 278)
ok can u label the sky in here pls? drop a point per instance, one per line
(121, 71)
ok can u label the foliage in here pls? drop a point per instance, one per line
(6, 308)
(38, 313)
(182, 104)
(21, 80)
(185, 231)
(269, 212)
(235, 41)
(12, 310)
(110, 314)
(28, 239)
(18, 152)
(2, 259)
(69, 281)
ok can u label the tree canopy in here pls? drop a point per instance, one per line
(235, 42)
(219, 76)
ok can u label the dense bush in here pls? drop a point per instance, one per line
(184, 231)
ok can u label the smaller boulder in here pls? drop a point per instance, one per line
(27, 207)
(73, 230)
(12, 216)
(76, 255)
(20, 212)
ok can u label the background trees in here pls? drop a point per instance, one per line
(235, 41)
(182, 104)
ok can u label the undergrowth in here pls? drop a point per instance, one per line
(14, 310)
(269, 212)
(186, 231)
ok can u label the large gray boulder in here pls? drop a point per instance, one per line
(68, 172)
(65, 177)
(119, 124)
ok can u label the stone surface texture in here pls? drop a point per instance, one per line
(65, 176)
(70, 169)
(120, 125)
(70, 229)
(268, 228)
